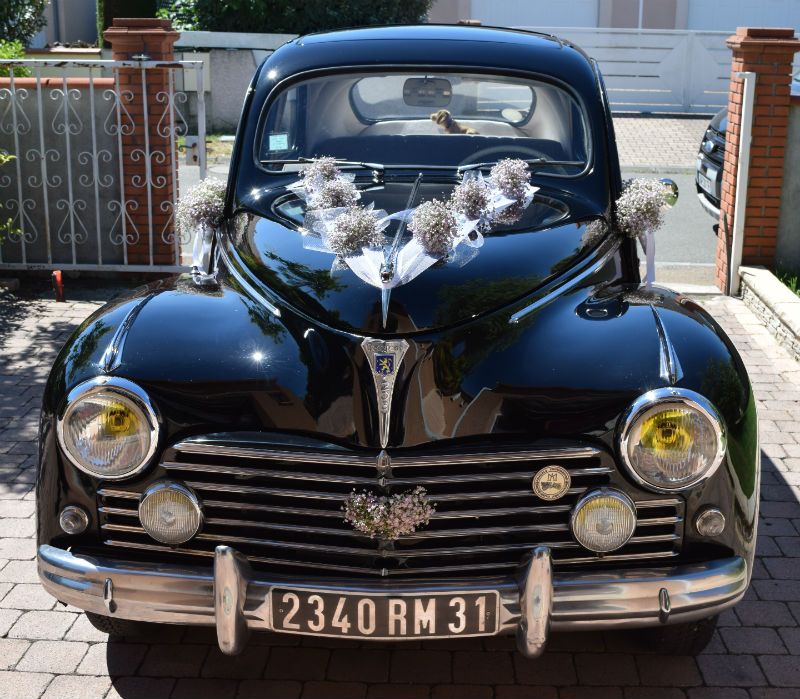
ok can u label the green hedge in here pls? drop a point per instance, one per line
(295, 17)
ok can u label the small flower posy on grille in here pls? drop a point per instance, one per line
(201, 206)
(388, 518)
(640, 207)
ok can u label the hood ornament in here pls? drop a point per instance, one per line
(384, 358)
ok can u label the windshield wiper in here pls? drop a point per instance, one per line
(532, 163)
(377, 168)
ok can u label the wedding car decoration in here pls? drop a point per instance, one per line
(388, 518)
(197, 213)
(640, 213)
(448, 231)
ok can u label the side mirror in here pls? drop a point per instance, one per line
(670, 191)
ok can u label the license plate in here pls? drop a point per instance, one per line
(705, 184)
(436, 615)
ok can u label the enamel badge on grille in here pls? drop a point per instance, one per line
(384, 358)
(551, 483)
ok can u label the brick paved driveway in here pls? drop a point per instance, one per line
(51, 651)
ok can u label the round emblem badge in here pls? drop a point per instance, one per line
(551, 483)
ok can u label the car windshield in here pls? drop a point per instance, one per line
(419, 120)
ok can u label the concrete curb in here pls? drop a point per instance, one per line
(774, 304)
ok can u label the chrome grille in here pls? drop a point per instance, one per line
(282, 509)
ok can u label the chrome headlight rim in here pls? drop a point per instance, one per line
(121, 387)
(663, 397)
(169, 484)
(593, 495)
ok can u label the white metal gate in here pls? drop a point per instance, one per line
(95, 179)
(648, 70)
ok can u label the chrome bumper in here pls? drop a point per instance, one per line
(236, 600)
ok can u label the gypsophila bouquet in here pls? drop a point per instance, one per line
(354, 229)
(388, 518)
(333, 194)
(434, 226)
(511, 177)
(202, 206)
(471, 198)
(319, 171)
(640, 207)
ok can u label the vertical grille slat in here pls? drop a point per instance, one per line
(282, 508)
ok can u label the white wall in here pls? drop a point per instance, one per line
(543, 13)
(729, 14)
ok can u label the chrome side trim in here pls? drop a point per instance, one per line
(669, 365)
(566, 286)
(211, 449)
(580, 600)
(112, 357)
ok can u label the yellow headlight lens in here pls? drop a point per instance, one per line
(107, 434)
(674, 443)
(604, 520)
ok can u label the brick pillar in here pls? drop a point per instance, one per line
(152, 214)
(768, 53)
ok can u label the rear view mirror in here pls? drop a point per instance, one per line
(427, 92)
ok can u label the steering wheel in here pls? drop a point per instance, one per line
(486, 155)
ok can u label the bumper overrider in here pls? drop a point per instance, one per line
(236, 600)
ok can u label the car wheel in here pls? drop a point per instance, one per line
(116, 627)
(682, 639)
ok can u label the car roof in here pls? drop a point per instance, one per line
(434, 45)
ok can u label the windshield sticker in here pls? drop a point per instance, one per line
(278, 141)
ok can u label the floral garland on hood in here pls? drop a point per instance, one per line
(450, 230)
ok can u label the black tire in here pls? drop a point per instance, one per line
(124, 628)
(682, 639)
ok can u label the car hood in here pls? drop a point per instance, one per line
(555, 231)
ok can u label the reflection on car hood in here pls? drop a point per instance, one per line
(720, 121)
(554, 232)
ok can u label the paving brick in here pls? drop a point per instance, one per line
(205, 687)
(783, 590)
(173, 661)
(297, 664)
(269, 689)
(361, 665)
(148, 688)
(249, 664)
(462, 691)
(782, 670)
(19, 572)
(24, 685)
(483, 668)
(113, 659)
(515, 691)
(334, 690)
(42, 625)
(590, 693)
(82, 630)
(668, 671)
(28, 596)
(755, 613)
(57, 657)
(75, 687)
(654, 693)
(718, 693)
(421, 667)
(753, 640)
(606, 669)
(731, 671)
(11, 650)
(550, 669)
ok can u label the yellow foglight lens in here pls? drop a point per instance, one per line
(108, 428)
(604, 520)
(170, 512)
(672, 439)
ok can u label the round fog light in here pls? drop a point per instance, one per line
(73, 519)
(710, 522)
(170, 512)
(604, 520)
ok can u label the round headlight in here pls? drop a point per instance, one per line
(170, 512)
(604, 520)
(108, 428)
(671, 439)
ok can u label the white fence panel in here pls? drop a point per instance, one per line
(648, 70)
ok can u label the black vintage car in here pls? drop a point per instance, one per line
(511, 435)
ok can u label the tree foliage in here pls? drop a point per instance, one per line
(293, 17)
(21, 19)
